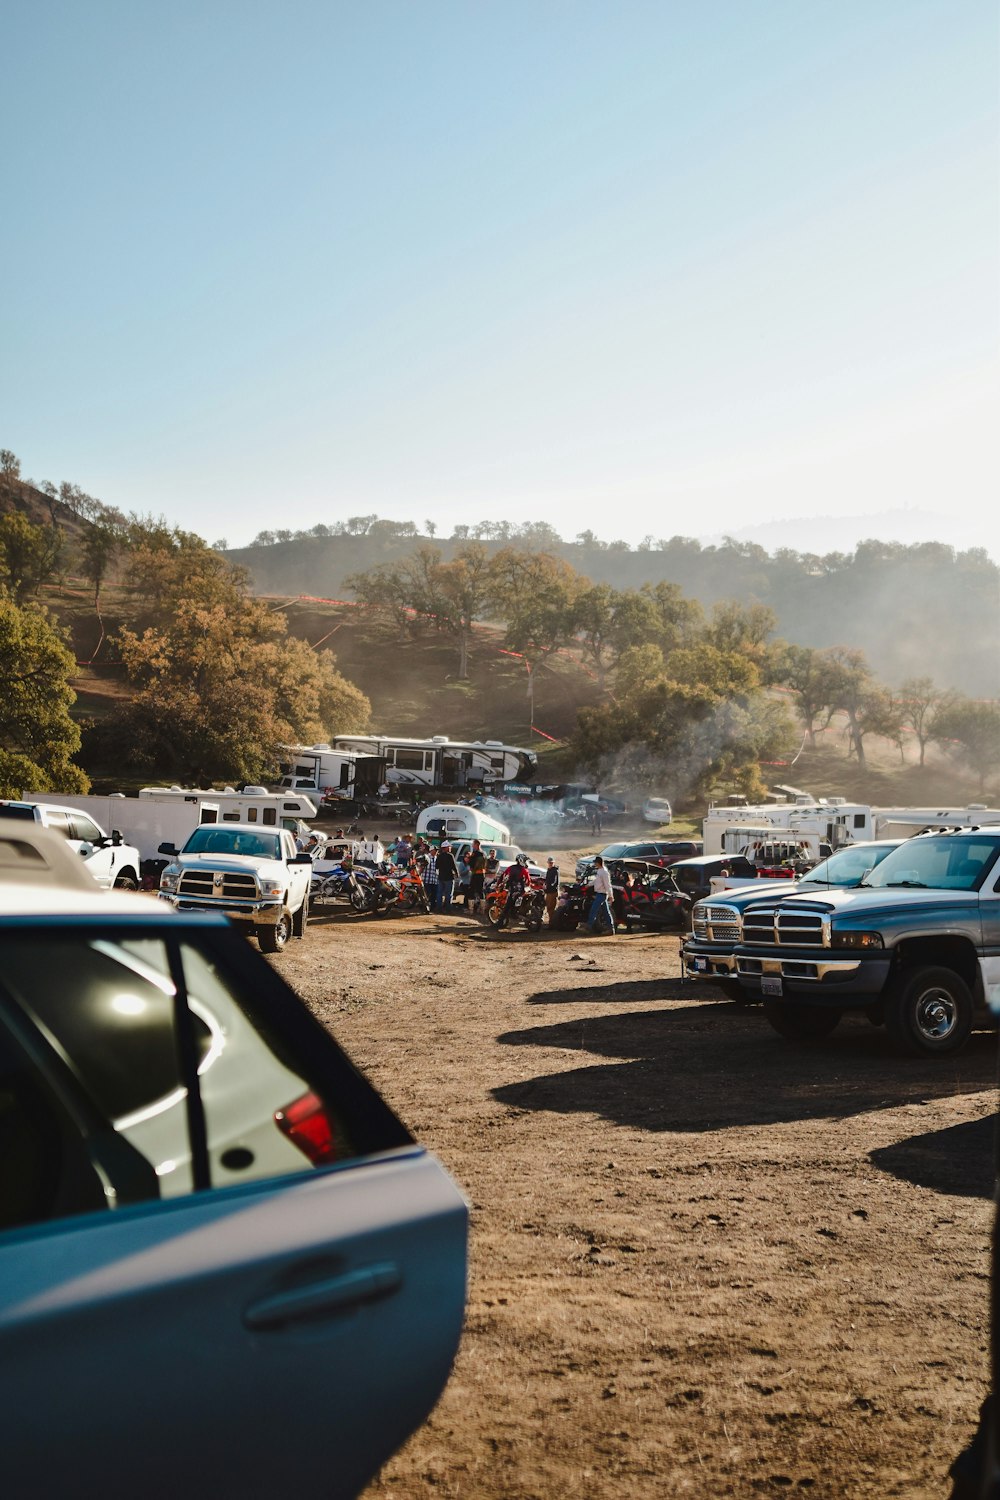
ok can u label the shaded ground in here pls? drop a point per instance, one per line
(702, 1262)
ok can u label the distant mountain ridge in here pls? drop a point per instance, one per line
(838, 533)
(915, 610)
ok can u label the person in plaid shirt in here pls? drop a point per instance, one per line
(430, 879)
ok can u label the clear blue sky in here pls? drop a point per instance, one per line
(640, 267)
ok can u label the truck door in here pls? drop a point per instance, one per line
(84, 835)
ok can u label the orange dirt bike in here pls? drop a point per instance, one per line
(403, 888)
(529, 906)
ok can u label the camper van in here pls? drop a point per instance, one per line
(453, 820)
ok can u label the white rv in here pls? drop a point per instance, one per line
(831, 819)
(321, 770)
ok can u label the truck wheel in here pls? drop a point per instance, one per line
(273, 939)
(800, 1023)
(928, 1012)
(300, 921)
(127, 881)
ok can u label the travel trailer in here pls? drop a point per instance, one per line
(441, 762)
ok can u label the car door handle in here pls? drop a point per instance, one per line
(320, 1299)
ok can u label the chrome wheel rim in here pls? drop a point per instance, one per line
(936, 1014)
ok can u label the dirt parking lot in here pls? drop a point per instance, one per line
(702, 1262)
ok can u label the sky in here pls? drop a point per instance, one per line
(638, 266)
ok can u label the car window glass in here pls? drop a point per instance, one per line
(262, 1117)
(103, 1010)
(85, 828)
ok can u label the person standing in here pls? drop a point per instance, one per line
(551, 887)
(403, 852)
(476, 860)
(430, 878)
(601, 908)
(447, 873)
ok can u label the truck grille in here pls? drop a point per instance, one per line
(783, 927)
(234, 887)
(716, 924)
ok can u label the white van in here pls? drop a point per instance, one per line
(452, 820)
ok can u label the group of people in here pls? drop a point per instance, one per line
(447, 873)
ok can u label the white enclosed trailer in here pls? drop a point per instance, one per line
(168, 815)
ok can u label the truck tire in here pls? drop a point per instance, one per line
(128, 880)
(300, 920)
(928, 1012)
(273, 939)
(800, 1023)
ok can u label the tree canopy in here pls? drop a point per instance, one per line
(37, 735)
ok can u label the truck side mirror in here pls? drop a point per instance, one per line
(116, 837)
(167, 849)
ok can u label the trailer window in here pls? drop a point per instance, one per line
(231, 817)
(270, 815)
(251, 815)
(411, 760)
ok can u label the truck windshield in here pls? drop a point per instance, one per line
(848, 866)
(211, 839)
(944, 863)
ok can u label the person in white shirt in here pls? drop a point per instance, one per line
(601, 906)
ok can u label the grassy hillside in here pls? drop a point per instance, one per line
(414, 689)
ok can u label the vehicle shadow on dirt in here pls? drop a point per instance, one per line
(960, 1159)
(719, 1066)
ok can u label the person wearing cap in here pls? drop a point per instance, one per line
(551, 887)
(447, 873)
(601, 909)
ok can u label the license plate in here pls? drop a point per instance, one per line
(770, 985)
(700, 964)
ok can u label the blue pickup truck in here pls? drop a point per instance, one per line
(915, 946)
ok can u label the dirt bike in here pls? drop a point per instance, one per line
(404, 889)
(528, 907)
(344, 885)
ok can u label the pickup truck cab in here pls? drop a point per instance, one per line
(255, 875)
(113, 863)
(915, 946)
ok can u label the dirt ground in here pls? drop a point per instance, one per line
(702, 1262)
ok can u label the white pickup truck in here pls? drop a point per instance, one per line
(254, 875)
(111, 861)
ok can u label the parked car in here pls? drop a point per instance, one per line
(695, 876)
(653, 851)
(657, 810)
(226, 1268)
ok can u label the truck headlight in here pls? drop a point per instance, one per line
(856, 940)
(170, 878)
(270, 887)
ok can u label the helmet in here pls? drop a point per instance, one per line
(522, 859)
